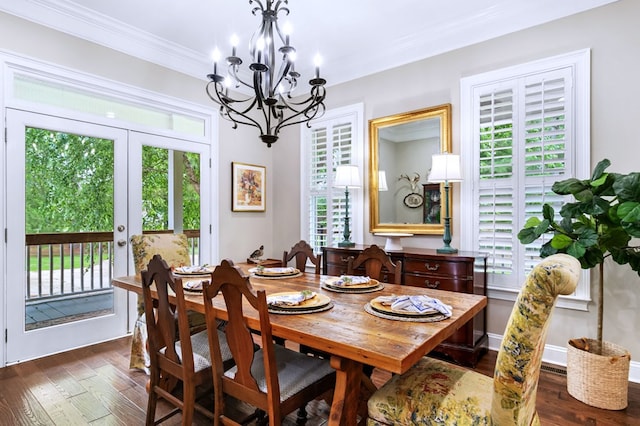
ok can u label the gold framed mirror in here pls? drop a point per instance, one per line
(401, 200)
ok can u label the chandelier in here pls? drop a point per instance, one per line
(270, 107)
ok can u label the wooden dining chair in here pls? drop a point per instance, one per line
(174, 249)
(302, 252)
(375, 261)
(274, 379)
(437, 392)
(176, 355)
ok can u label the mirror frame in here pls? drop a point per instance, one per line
(444, 113)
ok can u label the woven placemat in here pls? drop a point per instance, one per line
(280, 311)
(430, 318)
(276, 277)
(353, 290)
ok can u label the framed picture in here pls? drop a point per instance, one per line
(432, 203)
(413, 200)
(248, 182)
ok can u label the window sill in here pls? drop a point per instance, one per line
(565, 302)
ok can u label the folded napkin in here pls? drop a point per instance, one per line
(192, 269)
(345, 280)
(285, 270)
(193, 285)
(290, 299)
(417, 304)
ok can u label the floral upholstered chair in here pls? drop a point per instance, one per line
(174, 249)
(438, 393)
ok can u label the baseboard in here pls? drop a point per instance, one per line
(558, 355)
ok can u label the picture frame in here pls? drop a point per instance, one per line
(413, 200)
(432, 203)
(248, 187)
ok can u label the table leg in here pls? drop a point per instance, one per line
(344, 409)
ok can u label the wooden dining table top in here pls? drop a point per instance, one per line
(347, 331)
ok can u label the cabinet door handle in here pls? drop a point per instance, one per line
(429, 284)
(432, 268)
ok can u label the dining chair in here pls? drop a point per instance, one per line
(274, 379)
(437, 392)
(302, 252)
(375, 261)
(174, 249)
(176, 355)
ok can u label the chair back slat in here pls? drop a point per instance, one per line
(302, 252)
(375, 260)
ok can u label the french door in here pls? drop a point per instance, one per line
(68, 212)
(77, 192)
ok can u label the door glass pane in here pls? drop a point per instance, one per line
(69, 227)
(171, 194)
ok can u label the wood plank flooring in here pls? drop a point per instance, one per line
(94, 386)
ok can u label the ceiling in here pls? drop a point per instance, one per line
(355, 38)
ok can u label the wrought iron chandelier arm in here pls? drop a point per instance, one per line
(230, 113)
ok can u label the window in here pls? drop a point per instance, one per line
(523, 128)
(333, 140)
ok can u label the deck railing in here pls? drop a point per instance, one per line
(70, 264)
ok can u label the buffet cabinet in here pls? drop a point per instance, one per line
(464, 272)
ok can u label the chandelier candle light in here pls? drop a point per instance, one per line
(347, 176)
(445, 168)
(270, 107)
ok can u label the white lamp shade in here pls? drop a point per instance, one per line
(382, 181)
(445, 168)
(347, 176)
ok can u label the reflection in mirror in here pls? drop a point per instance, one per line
(400, 149)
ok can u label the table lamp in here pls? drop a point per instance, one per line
(347, 176)
(445, 168)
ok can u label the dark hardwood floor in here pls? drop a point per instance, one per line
(94, 386)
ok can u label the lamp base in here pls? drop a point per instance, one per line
(447, 250)
(346, 243)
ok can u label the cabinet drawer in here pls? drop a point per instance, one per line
(339, 258)
(437, 267)
(440, 283)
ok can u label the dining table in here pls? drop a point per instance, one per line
(349, 331)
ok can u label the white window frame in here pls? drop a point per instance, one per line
(578, 63)
(354, 114)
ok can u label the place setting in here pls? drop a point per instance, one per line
(298, 302)
(416, 308)
(351, 284)
(192, 276)
(275, 272)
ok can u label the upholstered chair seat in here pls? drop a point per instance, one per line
(435, 392)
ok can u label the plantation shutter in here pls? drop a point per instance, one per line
(331, 146)
(524, 145)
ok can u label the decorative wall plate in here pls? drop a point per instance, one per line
(413, 200)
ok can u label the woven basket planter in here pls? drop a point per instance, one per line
(600, 381)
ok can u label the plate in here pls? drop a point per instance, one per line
(274, 272)
(385, 309)
(329, 283)
(317, 301)
(277, 310)
(193, 270)
(349, 289)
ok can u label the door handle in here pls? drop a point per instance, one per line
(122, 243)
(120, 228)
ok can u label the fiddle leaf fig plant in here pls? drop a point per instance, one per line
(600, 223)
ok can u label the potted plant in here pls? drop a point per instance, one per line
(600, 223)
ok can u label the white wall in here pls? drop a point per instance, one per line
(613, 35)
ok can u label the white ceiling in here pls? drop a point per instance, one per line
(355, 38)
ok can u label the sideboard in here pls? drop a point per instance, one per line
(462, 272)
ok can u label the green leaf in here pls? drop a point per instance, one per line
(542, 227)
(569, 186)
(576, 249)
(627, 187)
(599, 169)
(547, 250)
(528, 235)
(532, 222)
(548, 212)
(561, 241)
